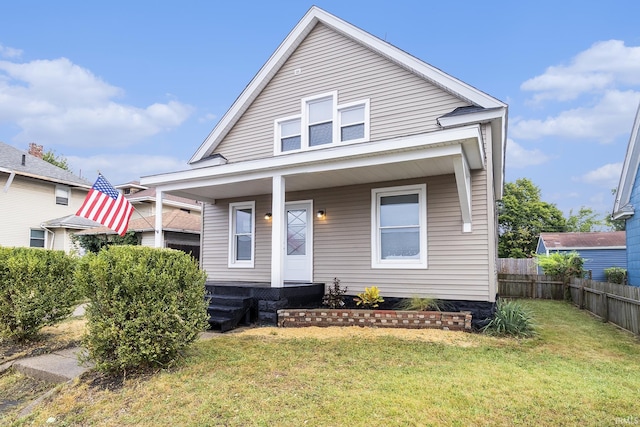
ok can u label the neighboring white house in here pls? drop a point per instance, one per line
(347, 157)
(32, 191)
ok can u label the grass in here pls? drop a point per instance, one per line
(576, 371)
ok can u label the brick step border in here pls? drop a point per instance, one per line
(451, 321)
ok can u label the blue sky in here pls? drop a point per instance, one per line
(132, 88)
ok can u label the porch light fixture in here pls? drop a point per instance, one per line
(321, 214)
(267, 216)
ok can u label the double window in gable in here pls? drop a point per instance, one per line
(322, 122)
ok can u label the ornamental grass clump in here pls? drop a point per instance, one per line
(146, 306)
(417, 303)
(36, 290)
(511, 319)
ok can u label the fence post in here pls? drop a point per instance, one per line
(605, 311)
(581, 295)
(533, 287)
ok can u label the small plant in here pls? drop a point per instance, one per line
(369, 298)
(334, 298)
(615, 275)
(417, 303)
(511, 319)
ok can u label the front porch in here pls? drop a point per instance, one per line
(232, 303)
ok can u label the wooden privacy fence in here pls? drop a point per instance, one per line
(618, 304)
(517, 266)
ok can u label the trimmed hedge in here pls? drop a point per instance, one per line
(36, 290)
(146, 306)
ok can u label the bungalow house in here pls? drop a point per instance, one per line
(346, 157)
(627, 199)
(599, 250)
(32, 192)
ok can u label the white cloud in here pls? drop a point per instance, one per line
(519, 157)
(606, 176)
(58, 102)
(207, 118)
(603, 66)
(9, 52)
(122, 168)
(611, 117)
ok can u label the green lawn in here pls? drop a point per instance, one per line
(577, 371)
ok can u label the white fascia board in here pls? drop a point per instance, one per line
(293, 40)
(166, 202)
(53, 180)
(429, 141)
(477, 117)
(629, 169)
(586, 248)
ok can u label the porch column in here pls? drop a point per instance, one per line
(277, 231)
(463, 182)
(159, 243)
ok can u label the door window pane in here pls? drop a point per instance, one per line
(296, 232)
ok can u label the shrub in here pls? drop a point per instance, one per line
(334, 298)
(146, 306)
(36, 290)
(369, 298)
(615, 275)
(420, 304)
(511, 318)
(564, 265)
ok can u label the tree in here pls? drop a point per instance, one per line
(59, 161)
(95, 242)
(584, 221)
(522, 216)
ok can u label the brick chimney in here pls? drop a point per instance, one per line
(35, 149)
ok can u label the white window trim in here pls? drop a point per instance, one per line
(65, 189)
(376, 194)
(44, 238)
(304, 124)
(365, 103)
(233, 207)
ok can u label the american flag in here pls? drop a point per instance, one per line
(107, 206)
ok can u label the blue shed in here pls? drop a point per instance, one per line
(600, 250)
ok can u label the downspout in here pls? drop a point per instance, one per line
(53, 236)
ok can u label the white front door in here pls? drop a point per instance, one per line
(298, 248)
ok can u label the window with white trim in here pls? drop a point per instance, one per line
(62, 195)
(322, 122)
(36, 238)
(242, 234)
(398, 227)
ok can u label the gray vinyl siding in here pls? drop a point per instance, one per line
(401, 103)
(458, 263)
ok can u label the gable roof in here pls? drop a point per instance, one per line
(35, 167)
(621, 207)
(177, 221)
(314, 16)
(591, 240)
